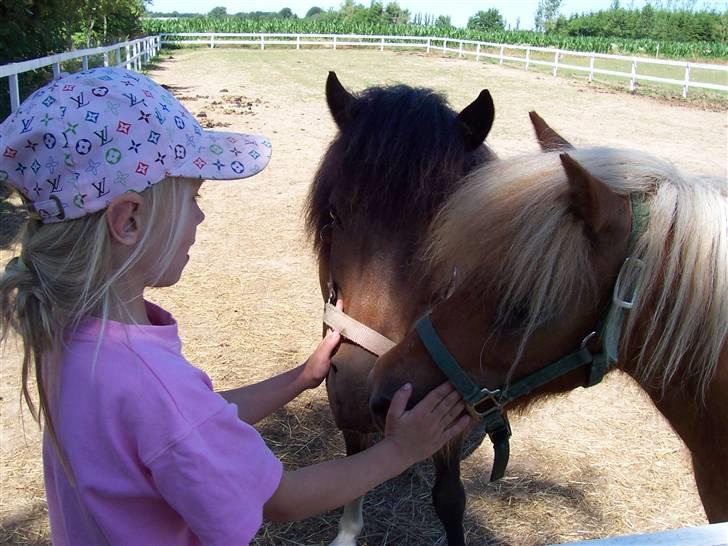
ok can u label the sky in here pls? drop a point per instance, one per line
(458, 10)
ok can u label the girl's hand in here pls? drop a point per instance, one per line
(316, 368)
(424, 429)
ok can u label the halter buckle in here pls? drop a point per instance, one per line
(626, 296)
(485, 395)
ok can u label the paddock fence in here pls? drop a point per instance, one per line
(632, 68)
(133, 54)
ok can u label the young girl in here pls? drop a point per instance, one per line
(138, 448)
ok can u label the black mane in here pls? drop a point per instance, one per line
(392, 164)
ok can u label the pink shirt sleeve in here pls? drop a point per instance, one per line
(218, 477)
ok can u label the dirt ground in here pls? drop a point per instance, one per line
(590, 464)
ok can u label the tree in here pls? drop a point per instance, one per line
(286, 13)
(443, 21)
(547, 14)
(394, 15)
(314, 11)
(219, 11)
(487, 21)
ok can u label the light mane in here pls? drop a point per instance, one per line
(509, 229)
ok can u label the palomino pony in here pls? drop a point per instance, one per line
(399, 153)
(572, 264)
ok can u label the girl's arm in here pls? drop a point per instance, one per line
(410, 436)
(261, 399)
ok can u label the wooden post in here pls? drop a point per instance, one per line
(128, 62)
(14, 92)
(501, 54)
(444, 47)
(56, 70)
(460, 49)
(687, 80)
(428, 45)
(477, 52)
(591, 68)
(556, 62)
(84, 62)
(106, 58)
(298, 41)
(381, 45)
(334, 42)
(212, 41)
(528, 57)
(633, 81)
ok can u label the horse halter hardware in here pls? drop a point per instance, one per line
(487, 404)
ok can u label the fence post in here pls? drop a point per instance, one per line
(633, 81)
(212, 41)
(591, 68)
(477, 52)
(298, 42)
(118, 57)
(428, 46)
(56, 70)
(14, 92)
(687, 80)
(444, 47)
(460, 49)
(528, 57)
(106, 58)
(334, 42)
(556, 62)
(128, 62)
(84, 62)
(262, 42)
(381, 45)
(501, 55)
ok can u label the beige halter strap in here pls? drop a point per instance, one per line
(359, 333)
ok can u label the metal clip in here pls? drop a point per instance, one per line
(626, 296)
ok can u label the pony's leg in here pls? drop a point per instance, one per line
(352, 522)
(448, 494)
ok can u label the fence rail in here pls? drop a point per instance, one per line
(135, 54)
(472, 48)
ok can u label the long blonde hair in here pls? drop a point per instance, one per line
(509, 228)
(65, 273)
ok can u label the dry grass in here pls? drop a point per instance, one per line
(590, 464)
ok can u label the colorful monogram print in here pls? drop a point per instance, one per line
(83, 139)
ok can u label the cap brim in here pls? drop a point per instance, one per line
(225, 156)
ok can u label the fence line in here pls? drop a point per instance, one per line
(136, 53)
(452, 45)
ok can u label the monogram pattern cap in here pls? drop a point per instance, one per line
(85, 138)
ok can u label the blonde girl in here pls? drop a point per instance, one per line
(138, 447)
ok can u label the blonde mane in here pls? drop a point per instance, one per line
(509, 229)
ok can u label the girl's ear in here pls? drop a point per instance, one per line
(124, 219)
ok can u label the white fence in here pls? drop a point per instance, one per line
(135, 54)
(472, 48)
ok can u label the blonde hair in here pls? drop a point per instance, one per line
(65, 273)
(509, 228)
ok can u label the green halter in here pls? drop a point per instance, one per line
(487, 404)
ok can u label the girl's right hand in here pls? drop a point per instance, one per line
(424, 429)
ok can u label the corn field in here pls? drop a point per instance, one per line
(618, 46)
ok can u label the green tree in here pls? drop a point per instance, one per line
(286, 13)
(219, 11)
(443, 21)
(487, 21)
(547, 14)
(314, 11)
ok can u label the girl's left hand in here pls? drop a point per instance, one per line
(316, 368)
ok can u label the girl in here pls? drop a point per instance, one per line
(138, 448)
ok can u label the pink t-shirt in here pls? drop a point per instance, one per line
(157, 456)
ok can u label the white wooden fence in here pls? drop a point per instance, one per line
(472, 48)
(132, 54)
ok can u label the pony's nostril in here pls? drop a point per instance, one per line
(379, 407)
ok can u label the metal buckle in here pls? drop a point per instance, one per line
(625, 296)
(486, 395)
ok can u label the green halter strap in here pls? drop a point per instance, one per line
(487, 404)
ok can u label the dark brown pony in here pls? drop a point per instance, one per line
(399, 153)
(573, 264)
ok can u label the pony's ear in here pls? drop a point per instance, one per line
(476, 119)
(338, 99)
(550, 140)
(592, 201)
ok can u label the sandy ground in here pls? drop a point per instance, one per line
(590, 464)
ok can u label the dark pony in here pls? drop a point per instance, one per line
(399, 153)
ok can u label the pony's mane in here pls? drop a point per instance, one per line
(509, 228)
(392, 165)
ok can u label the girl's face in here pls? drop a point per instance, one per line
(177, 224)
